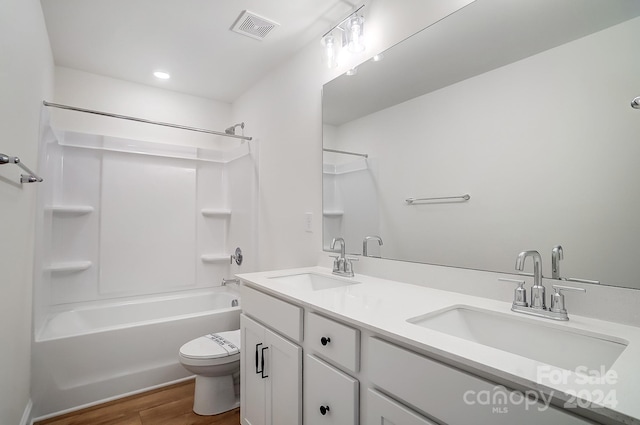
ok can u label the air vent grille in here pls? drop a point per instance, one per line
(254, 26)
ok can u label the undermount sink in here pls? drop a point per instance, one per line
(312, 281)
(562, 347)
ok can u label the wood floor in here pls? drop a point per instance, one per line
(170, 405)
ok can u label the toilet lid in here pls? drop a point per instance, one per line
(221, 344)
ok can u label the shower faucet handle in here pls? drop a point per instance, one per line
(237, 257)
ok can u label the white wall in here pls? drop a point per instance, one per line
(540, 170)
(26, 73)
(284, 110)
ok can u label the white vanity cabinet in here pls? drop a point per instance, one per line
(270, 365)
(350, 374)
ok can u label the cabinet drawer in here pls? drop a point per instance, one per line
(453, 396)
(330, 396)
(275, 313)
(383, 410)
(334, 341)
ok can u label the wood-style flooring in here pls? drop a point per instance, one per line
(171, 405)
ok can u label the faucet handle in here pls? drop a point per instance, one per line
(520, 294)
(557, 298)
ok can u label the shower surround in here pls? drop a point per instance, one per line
(123, 221)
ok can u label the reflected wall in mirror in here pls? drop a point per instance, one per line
(523, 105)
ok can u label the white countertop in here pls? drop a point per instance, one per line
(383, 307)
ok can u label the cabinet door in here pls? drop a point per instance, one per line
(383, 410)
(283, 366)
(271, 377)
(252, 385)
(330, 396)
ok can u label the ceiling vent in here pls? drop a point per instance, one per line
(254, 26)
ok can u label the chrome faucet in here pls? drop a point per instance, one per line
(365, 249)
(342, 265)
(558, 310)
(537, 291)
(557, 254)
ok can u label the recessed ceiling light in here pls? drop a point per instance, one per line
(162, 75)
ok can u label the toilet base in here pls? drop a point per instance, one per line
(214, 395)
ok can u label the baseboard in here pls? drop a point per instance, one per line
(26, 415)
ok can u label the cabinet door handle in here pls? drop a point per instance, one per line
(325, 340)
(257, 370)
(262, 363)
(324, 410)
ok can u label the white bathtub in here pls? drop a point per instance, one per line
(93, 354)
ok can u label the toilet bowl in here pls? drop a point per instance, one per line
(215, 360)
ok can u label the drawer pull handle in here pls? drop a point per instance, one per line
(324, 341)
(324, 410)
(257, 370)
(262, 363)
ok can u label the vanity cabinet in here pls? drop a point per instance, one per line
(271, 377)
(304, 366)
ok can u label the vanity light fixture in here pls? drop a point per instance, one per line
(161, 75)
(348, 33)
(354, 33)
(331, 50)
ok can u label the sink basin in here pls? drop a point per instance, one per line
(313, 281)
(562, 347)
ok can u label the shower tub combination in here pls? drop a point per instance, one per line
(95, 353)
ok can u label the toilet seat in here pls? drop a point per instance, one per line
(212, 349)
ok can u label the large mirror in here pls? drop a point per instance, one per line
(524, 106)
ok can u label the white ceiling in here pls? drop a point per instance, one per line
(190, 39)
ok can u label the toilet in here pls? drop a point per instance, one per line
(215, 360)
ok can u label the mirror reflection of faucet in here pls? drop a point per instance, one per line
(365, 244)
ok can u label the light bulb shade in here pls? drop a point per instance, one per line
(354, 33)
(330, 51)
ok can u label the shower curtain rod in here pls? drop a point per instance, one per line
(125, 117)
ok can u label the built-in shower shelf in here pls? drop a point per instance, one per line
(333, 213)
(215, 258)
(215, 212)
(71, 209)
(69, 266)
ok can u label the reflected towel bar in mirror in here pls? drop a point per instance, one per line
(31, 177)
(345, 152)
(411, 201)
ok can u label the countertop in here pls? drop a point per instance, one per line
(383, 306)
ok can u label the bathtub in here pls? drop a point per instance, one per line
(92, 354)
